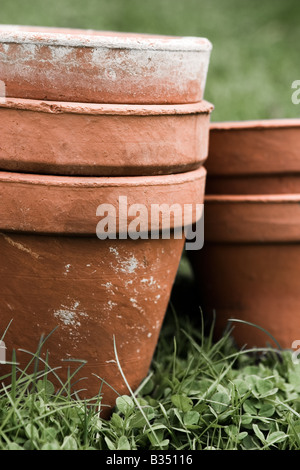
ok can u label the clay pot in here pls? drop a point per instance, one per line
(89, 139)
(54, 271)
(248, 268)
(102, 67)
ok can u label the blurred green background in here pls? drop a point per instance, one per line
(256, 43)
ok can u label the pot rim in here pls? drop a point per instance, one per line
(253, 198)
(254, 124)
(68, 205)
(70, 37)
(252, 219)
(59, 107)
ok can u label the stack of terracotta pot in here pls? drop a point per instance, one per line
(89, 117)
(249, 267)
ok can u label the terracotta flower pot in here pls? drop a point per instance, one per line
(54, 271)
(89, 139)
(102, 67)
(248, 268)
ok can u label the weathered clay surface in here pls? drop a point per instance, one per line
(68, 205)
(102, 67)
(262, 218)
(96, 140)
(253, 185)
(254, 147)
(93, 290)
(248, 268)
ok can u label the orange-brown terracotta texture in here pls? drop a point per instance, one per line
(254, 148)
(67, 205)
(252, 229)
(254, 185)
(254, 157)
(249, 266)
(54, 271)
(90, 139)
(102, 67)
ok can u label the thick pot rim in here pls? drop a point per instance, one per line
(254, 124)
(253, 198)
(254, 219)
(72, 37)
(60, 107)
(69, 205)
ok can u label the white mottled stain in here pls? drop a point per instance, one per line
(142, 328)
(150, 282)
(134, 303)
(125, 265)
(59, 53)
(111, 74)
(114, 250)
(67, 269)
(29, 49)
(95, 39)
(115, 64)
(138, 307)
(110, 288)
(69, 316)
(21, 247)
(108, 285)
(129, 266)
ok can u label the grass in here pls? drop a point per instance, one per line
(199, 394)
(255, 44)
